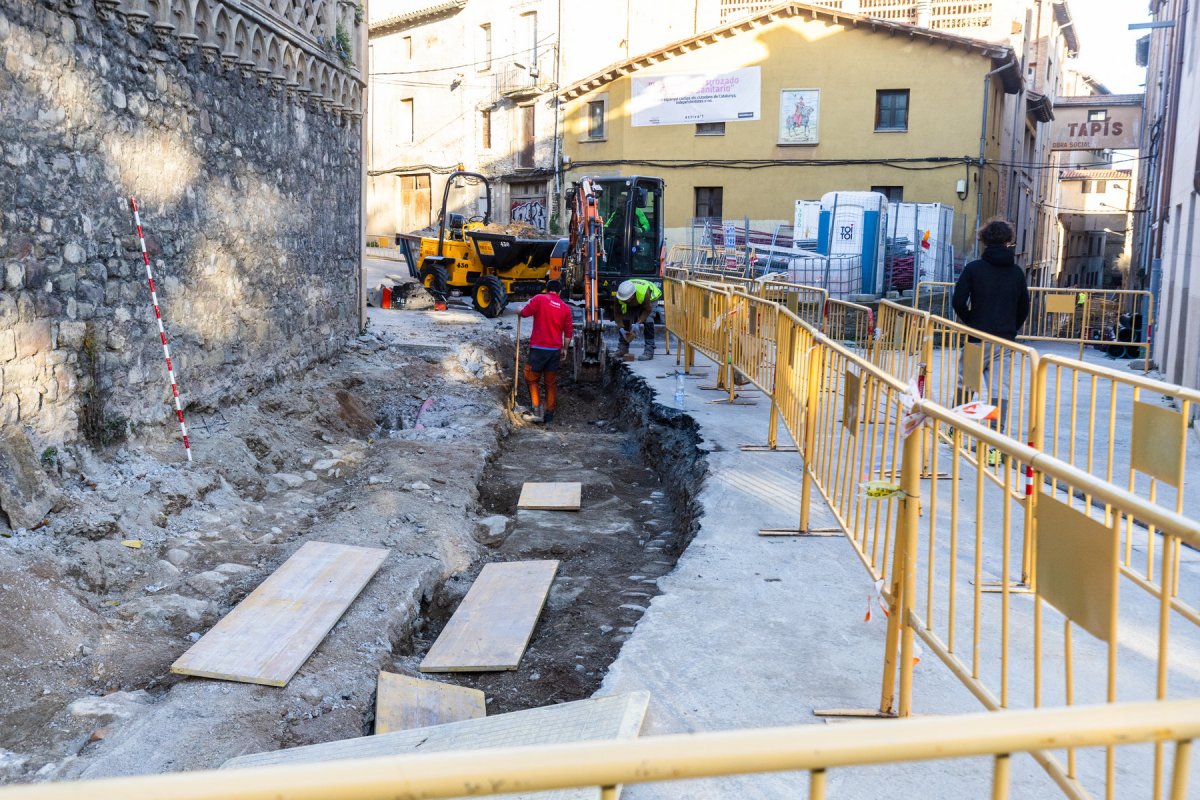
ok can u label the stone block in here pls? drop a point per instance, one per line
(33, 337)
(70, 335)
(8, 346)
(26, 494)
(14, 275)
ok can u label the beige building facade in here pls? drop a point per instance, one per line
(896, 109)
(472, 84)
(1167, 249)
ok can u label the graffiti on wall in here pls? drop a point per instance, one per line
(530, 211)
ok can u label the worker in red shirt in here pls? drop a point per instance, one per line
(552, 330)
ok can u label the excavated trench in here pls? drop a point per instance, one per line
(87, 648)
(640, 468)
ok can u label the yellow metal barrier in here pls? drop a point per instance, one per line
(847, 417)
(902, 341)
(806, 302)
(1070, 315)
(934, 297)
(965, 365)
(1085, 316)
(752, 326)
(998, 649)
(850, 324)
(1083, 432)
(608, 764)
(674, 310)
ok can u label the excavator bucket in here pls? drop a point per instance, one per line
(591, 357)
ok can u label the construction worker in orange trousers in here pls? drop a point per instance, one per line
(552, 329)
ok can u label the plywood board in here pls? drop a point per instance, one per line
(851, 382)
(551, 496)
(403, 703)
(1158, 446)
(617, 717)
(271, 633)
(1077, 566)
(494, 622)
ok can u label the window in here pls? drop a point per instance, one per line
(596, 119)
(894, 194)
(708, 202)
(527, 39)
(1087, 187)
(525, 149)
(710, 129)
(407, 129)
(485, 47)
(1101, 187)
(485, 129)
(1097, 115)
(891, 110)
(406, 48)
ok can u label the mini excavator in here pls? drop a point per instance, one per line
(614, 234)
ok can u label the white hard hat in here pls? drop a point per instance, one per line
(625, 291)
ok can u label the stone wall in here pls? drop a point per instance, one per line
(244, 154)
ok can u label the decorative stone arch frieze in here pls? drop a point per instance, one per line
(288, 44)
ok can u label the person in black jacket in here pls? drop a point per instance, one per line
(991, 296)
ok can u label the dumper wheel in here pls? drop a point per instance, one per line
(489, 296)
(436, 279)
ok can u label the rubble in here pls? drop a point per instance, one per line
(26, 494)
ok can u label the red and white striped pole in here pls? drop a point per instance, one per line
(162, 333)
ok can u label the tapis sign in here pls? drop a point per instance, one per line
(1098, 127)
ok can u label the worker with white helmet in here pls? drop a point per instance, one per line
(635, 309)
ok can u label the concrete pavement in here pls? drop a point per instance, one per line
(753, 631)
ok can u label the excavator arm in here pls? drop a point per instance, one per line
(586, 251)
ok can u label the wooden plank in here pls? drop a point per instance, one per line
(551, 496)
(494, 622)
(617, 716)
(403, 703)
(271, 633)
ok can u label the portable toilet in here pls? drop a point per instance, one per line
(855, 224)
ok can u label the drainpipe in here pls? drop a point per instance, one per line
(557, 154)
(987, 85)
(1018, 117)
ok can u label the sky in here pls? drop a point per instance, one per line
(1106, 44)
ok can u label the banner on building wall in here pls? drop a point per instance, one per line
(689, 99)
(799, 116)
(1096, 127)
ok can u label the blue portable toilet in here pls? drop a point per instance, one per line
(855, 224)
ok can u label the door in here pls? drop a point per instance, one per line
(527, 143)
(646, 226)
(413, 202)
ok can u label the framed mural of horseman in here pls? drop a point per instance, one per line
(799, 116)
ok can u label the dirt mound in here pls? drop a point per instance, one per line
(519, 229)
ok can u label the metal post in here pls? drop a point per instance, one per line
(773, 420)
(816, 376)
(910, 518)
(746, 222)
(829, 245)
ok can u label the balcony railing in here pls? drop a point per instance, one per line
(518, 80)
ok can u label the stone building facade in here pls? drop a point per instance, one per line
(237, 125)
